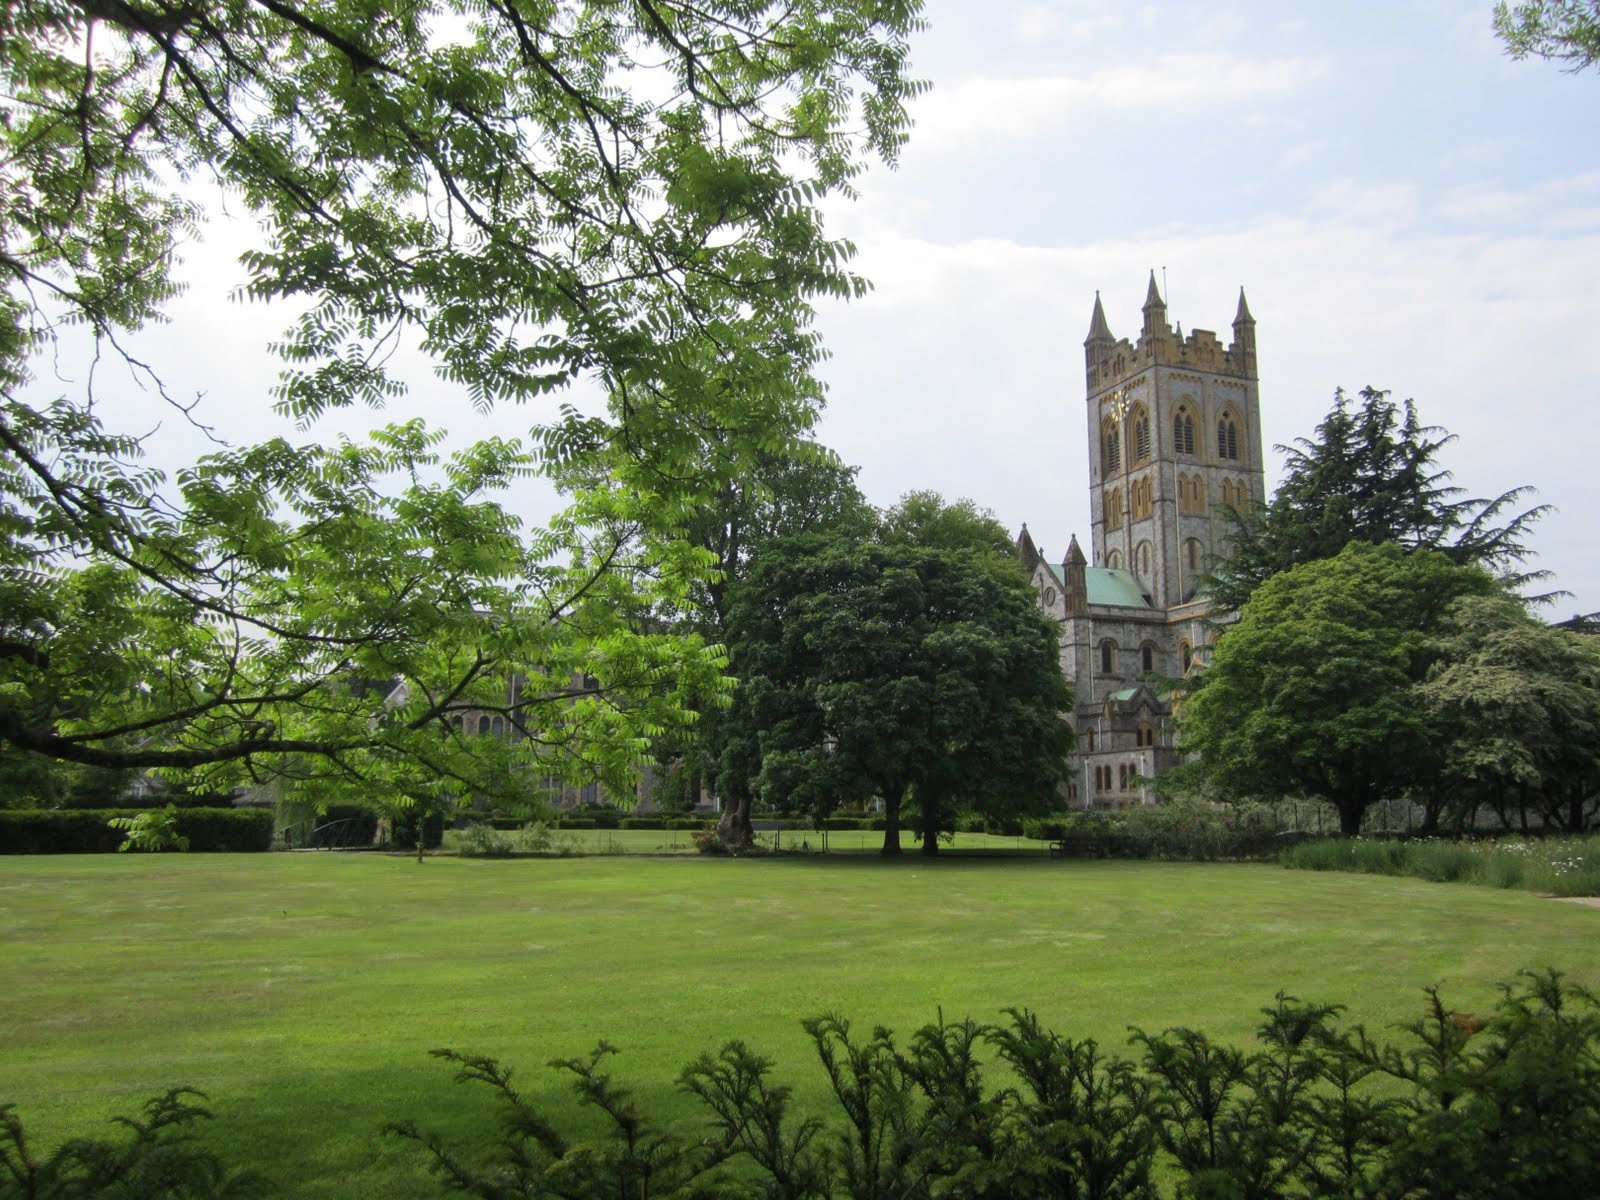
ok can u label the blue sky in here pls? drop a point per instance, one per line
(1404, 205)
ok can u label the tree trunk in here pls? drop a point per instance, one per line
(930, 826)
(1350, 814)
(891, 828)
(733, 827)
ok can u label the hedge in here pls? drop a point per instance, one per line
(87, 830)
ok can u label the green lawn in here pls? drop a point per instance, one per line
(302, 991)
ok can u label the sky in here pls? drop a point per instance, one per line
(1404, 206)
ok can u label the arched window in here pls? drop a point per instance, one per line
(1143, 558)
(1229, 497)
(1110, 445)
(1113, 508)
(1185, 655)
(1147, 657)
(1191, 554)
(1141, 435)
(1147, 734)
(1142, 492)
(483, 725)
(1228, 437)
(499, 727)
(1108, 656)
(1114, 560)
(1183, 430)
(1088, 741)
(455, 724)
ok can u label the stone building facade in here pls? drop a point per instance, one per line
(1174, 438)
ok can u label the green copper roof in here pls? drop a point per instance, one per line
(1124, 694)
(1108, 586)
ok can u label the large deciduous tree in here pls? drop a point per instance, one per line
(1370, 473)
(529, 195)
(896, 672)
(1517, 704)
(1312, 693)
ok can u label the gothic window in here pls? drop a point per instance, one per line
(1141, 435)
(1110, 446)
(1147, 657)
(498, 728)
(1185, 655)
(1229, 497)
(1197, 495)
(1142, 493)
(589, 794)
(1143, 554)
(483, 724)
(1113, 510)
(1088, 741)
(1114, 560)
(1191, 554)
(1147, 734)
(1108, 656)
(455, 724)
(1183, 430)
(1228, 438)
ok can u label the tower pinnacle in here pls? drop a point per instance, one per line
(1098, 329)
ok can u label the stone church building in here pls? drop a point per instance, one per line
(1174, 428)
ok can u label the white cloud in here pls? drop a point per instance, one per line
(971, 111)
(963, 372)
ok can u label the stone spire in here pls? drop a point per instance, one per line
(1155, 310)
(1099, 331)
(1244, 337)
(1075, 579)
(1027, 551)
(1242, 317)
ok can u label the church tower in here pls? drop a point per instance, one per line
(1174, 437)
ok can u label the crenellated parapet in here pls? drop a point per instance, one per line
(1109, 360)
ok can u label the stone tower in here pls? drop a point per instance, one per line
(1174, 435)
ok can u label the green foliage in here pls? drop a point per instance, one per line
(99, 831)
(483, 841)
(1560, 866)
(1519, 704)
(528, 197)
(1499, 1107)
(153, 830)
(1564, 31)
(1312, 692)
(158, 1161)
(1369, 474)
(898, 672)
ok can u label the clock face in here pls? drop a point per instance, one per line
(1049, 596)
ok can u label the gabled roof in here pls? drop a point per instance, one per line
(1108, 586)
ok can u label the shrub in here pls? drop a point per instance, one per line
(88, 830)
(403, 829)
(154, 830)
(1489, 1108)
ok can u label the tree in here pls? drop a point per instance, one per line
(530, 197)
(923, 518)
(1370, 474)
(1518, 704)
(897, 672)
(1312, 692)
(1566, 31)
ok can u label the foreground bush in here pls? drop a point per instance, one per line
(1566, 866)
(1499, 1106)
(157, 1160)
(1182, 830)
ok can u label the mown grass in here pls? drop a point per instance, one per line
(302, 991)
(1556, 866)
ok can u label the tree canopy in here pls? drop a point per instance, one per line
(1370, 473)
(1313, 691)
(1517, 705)
(1566, 31)
(896, 672)
(530, 197)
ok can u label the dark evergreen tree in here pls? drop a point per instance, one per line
(1371, 473)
